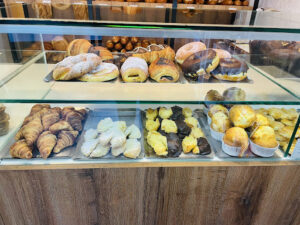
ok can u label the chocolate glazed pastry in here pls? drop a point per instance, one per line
(182, 128)
(203, 146)
(177, 113)
(231, 69)
(174, 145)
(200, 64)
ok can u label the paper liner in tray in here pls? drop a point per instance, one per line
(130, 116)
(149, 152)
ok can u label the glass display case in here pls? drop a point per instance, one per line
(143, 91)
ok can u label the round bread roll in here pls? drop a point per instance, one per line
(237, 137)
(109, 44)
(103, 72)
(115, 39)
(187, 50)
(118, 46)
(134, 69)
(124, 40)
(59, 43)
(78, 46)
(129, 46)
(163, 71)
(242, 116)
(134, 40)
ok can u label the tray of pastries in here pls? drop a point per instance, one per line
(111, 133)
(47, 132)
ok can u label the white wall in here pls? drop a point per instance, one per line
(281, 5)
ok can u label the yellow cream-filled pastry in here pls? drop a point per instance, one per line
(152, 125)
(264, 136)
(217, 108)
(169, 126)
(262, 111)
(187, 112)
(163, 70)
(242, 116)
(134, 69)
(103, 72)
(236, 137)
(220, 122)
(260, 120)
(165, 113)
(288, 122)
(188, 144)
(276, 125)
(151, 114)
(291, 114)
(286, 131)
(197, 132)
(191, 122)
(158, 142)
(277, 113)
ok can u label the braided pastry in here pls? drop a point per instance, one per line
(75, 66)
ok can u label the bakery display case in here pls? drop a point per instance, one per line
(141, 93)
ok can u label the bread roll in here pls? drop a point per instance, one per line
(78, 46)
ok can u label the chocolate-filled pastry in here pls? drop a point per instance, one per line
(182, 129)
(177, 113)
(203, 145)
(231, 70)
(163, 70)
(200, 64)
(174, 145)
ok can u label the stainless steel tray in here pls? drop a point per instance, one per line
(130, 116)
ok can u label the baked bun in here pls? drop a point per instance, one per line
(264, 136)
(103, 52)
(217, 108)
(220, 122)
(242, 116)
(223, 54)
(61, 4)
(231, 69)
(200, 64)
(163, 71)
(103, 72)
(134, 69)
(78, 46)
(74, 67)
(188, 49)
(237, 137)
(59, 43)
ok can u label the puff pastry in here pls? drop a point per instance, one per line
(134, 69)
(163, 70)
(103, 72)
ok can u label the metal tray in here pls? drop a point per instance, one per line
(149, 152)
(130, 116)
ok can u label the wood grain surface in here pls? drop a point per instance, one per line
(151, 196)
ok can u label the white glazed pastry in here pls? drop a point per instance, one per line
(134, 69)
(121, 125)
(104, 125)
(132, 148)
(105, 137)
(118, 138)
(118, 150)
(100, 151)
(133, 132)
(90, 134)
(89, 146)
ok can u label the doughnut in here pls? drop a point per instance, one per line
(231, 69)
(134, 69)
(75, 66)
(187, 50)
(200, 64)
(222, 53)
(103, 72)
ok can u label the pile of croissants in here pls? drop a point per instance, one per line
(47, 129)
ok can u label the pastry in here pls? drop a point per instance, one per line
(133, 132)
(213, 95)
(103, 72)
(134, 69)
(104, 53)
(99, 151)
(20, 149)
(38, 107)
(277, 114)
(118, 138)
(88, 147)
(124, 40)
(104, 125)
(151, 114)
(203, 147)
(191, 122)
(174, 145)
(78, 46)
(242, 116)
(132, 148)
(182, 128)
(46, 143)
(165, 113)
(163, 71)
(158, 142)
(217, 108)
(288, 122)
(90, 134)
(42, 10)
(231, 69)
(105, 137)
(234, 94)
(74, 118)
(109, 44)
(177, 113)
(115, 39)
(50, 118)
(152, 125)
(169, 126)
(121, 125)
(276, 125)
(187, 50)
(287, 131)
(220, 122)
(31, 131)
(189, 143)
(200, 64)
(263, 112)
(223, 54)
(197, 132)
(116, 151)
(291, 114)
(260, 120)
(74, 67)
(187, 112)
(264, 136)
(59, 43)
(80, 11)
(61, 4)
(65, 139)
(59, 126)
(237, 137)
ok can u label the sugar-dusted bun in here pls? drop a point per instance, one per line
(237, 137)
(134, 69)
(103, 72)
(78, 46)
(222, 53)
(59, 43)
(187, 50)
(242, 116)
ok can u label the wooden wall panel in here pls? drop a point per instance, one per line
(151, 196)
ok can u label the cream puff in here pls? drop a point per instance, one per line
(220, 122)
(242, 116)
(165, 113)
(237, 137)
(264, 136)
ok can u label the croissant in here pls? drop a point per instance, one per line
(38, 107)
(65, 110)
(46, 143)
(50, 118)
(59, 126)
(38, 114)
(32, 130)
(20, 149)
(65, 139)
(74, 118)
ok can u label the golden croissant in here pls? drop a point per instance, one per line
(38, 114)
(59, 126)
(38, 107)
(20, 149)
(50, 118)
(46, 143)
(65, 139)
(66, 110)
(74, 118)
(32, 130)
